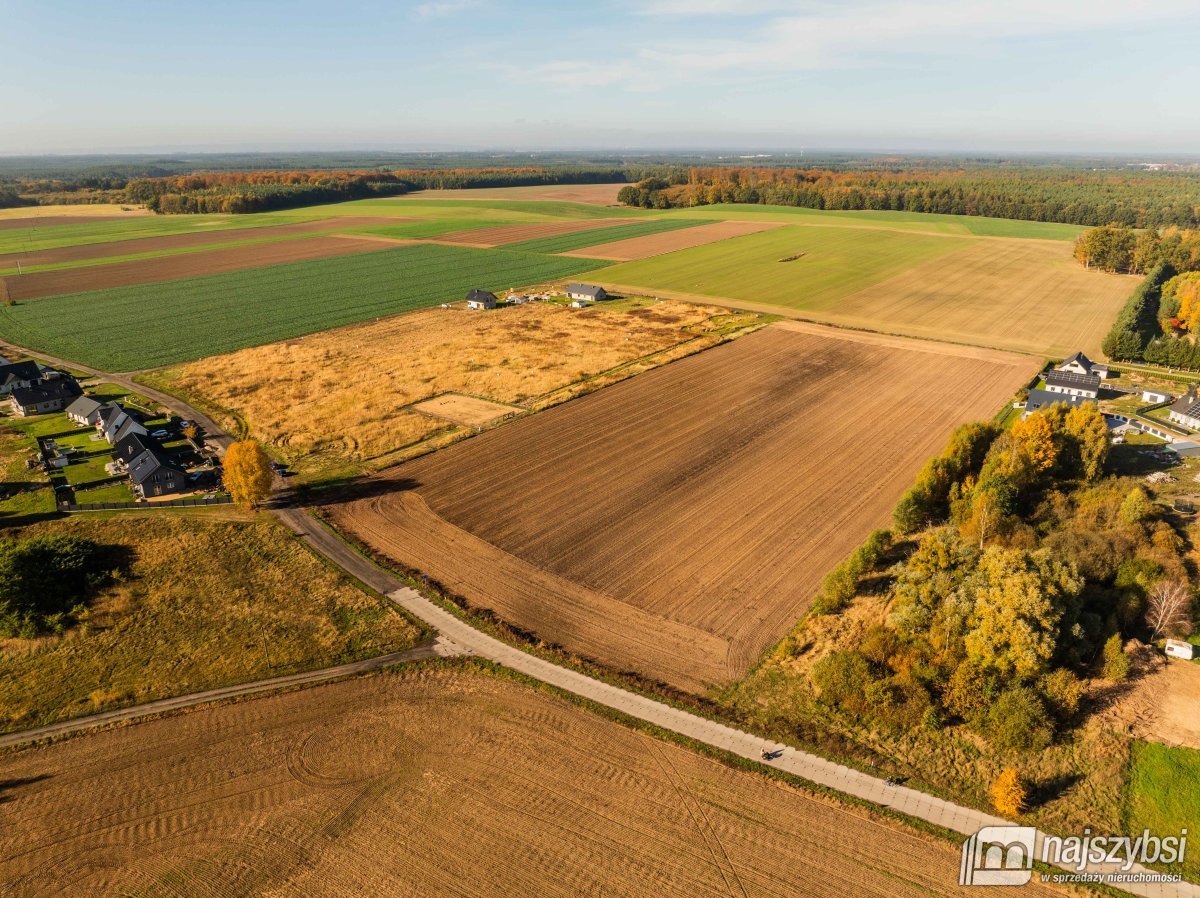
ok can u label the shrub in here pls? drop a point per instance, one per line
(1116, 662)
(843, 679)
(1063, 692)
(44, 580)
(1008, 793)
(970, 691)
(1017, 721)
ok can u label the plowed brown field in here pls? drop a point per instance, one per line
(502, 234)
(185, 241)
(183, 265)
(427, 783)
(669, 241)
(679, 523)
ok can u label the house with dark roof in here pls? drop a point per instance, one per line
(153, 473)
(1081, 364)
(481, 299)
(115, 423)
(1042, 398)
(19, 375)
(586, 292)
(84, 411)
(1071, 383)
(46, 397)
(134, 444)
(1186, 410)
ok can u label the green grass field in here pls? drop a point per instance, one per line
(175, 321)
(1163, 794)
(836, 262)
(565, 243)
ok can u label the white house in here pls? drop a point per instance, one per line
(586, 292)
(1156, 396)
(1072, 383)
(1081, 364)
(1186, 410)
(84, 411)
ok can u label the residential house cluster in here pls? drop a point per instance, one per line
(152, 472)
(581, 295)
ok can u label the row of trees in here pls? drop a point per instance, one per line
(259, 191)
(1139, 323)
(1113, 247)
(1132, 199)
(1031, 565)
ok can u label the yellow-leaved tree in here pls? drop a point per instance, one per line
(247, 473)
(1008, 793)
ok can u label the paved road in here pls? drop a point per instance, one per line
(460, 637)
(439, 647)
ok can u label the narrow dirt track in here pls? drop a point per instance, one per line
(504, 234)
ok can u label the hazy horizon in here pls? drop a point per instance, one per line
(903, 76)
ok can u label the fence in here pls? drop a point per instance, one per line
(169, 503)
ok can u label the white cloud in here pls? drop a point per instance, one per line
(776, 37)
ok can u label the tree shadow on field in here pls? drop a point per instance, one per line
(1046, 791)
(346, 490)
(7, 786)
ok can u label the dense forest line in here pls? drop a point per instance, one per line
(1140, 199)
(261, 191)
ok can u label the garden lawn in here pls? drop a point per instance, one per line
(146, 326)
(1163, 795)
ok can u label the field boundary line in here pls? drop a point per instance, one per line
(438, 647)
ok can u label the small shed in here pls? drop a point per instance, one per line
(481, 299)
(1184, 448)
(1177, 648)
(1156, 396)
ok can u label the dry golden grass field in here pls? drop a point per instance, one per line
(679, 523)
(346, 394)
(430, 782)
(20, 216)
(204, 603)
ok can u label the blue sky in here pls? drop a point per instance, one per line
(1006, 75)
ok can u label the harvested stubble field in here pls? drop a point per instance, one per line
(566, 242)
(671, 241)
(202, 603)
(430, 781)
(679, 523)
(171, 242)
(1024, 295)
(345, 394)
(40, 284)
(131, 328)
